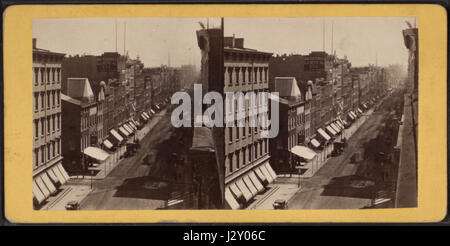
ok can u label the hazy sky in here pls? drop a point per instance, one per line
(361, 39)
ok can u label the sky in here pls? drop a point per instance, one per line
(362, 39)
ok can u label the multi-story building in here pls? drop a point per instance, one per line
(292, 124)
(318, 65)
(81, 123)
(48, 173)
(243, 155)
(287, 66)
(110, 68)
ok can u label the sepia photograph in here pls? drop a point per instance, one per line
(260, 113)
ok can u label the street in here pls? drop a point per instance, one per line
(341, 184)
(133, 184)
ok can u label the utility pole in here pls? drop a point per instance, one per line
(323, 37)
(124, 38)
(116, 32)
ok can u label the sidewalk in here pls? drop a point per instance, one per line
(277, 191)
(78, 188)
(70, 193)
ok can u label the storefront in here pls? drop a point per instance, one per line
(48, 182)
(308, 163)
(99, 160)
(326, 142)
(241, 190)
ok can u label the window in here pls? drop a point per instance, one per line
(48, 125)
(42, 101)
(42, 126)
(58, 150)
(48, 99)
(57, 97)
(230, 157)
(42, 73)
(243, 156)
(230, 133)
(36, 128)
(237, 159)
(35, 77)
(48, 76)
(53, 98)
(237, 131)
(236, 72)
(53, 123)
(250, 149)
(260, 148)
(48, 151)
(43, 154)
(36, 157)
(36, 101)
(57, 121)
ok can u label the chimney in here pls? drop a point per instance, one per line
(34, 43)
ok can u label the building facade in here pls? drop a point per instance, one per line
(48, 173)
(243, 153)
(292, 124)
(81, 123)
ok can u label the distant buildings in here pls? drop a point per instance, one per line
(48, 173)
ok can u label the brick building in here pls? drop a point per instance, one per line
(292, 124)
(81, 123)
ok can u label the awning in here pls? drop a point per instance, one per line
(48, 182)
(360, 111)
(255, 181)
(42, 186)
(245, 191)
(235, 190)
(40, 197)
(135, 122)
(345, 122)
(336, 128)
(341, 125)
(151, 110)
(96, 153)
(323, 134)
(270, 170)
(52, 176)
(250, 185)
(315, 143)
(132, 126)
(128, 128)
(230, 199)
(60, 173)
(260, 175)
(107, 144)
(123, 131)
(331, 130)
(145, 113)
(351, 116)
(304, 152)
(157, 106)
(116, 135)
(144, 116)
(266, 173)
